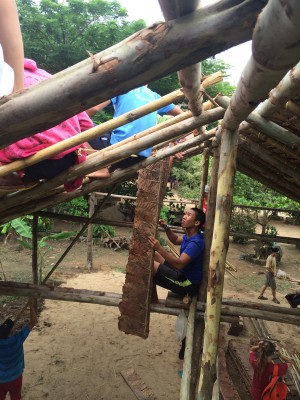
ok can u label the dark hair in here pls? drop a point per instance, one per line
(266, 349)
(200, 215)
(5, 328)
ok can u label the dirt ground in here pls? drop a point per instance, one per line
(77, 352)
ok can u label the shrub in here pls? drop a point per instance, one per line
(242, 222)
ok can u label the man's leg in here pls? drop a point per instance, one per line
(261, 296)
(275, 300)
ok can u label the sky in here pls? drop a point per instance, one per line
(149, 11)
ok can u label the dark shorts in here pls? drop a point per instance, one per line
(100, 142)
(48, 169)
(128, 162)
(14, 388)
(270, 280)
(174, 280)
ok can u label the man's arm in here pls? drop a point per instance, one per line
(93, 110)
(175, 111)
(176, 262)
(11, 40)
(33, 316)
(171, 235)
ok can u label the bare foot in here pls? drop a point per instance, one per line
(100, 174)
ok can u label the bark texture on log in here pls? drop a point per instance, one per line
(147, 55)
(136, 301)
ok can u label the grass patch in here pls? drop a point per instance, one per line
(119, 268)
(256, 282)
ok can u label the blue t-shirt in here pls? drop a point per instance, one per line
(128, 102)
(12, 355)
(193, 247)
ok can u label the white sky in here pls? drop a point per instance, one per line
(149, 11)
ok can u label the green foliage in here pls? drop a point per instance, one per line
(188, 174)
(58, 34)
(271, 230)
(242, 222)
(102, 231)
(248, 191)
(78, 207)
(164, 213)
(22, 228)
(161, 240)
(128, 188)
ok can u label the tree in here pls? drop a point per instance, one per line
(58, 34)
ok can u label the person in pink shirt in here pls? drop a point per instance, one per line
(261, 362)
(29, 146)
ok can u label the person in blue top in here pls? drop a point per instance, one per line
(12, 356)
(183, 274)
(123, 104)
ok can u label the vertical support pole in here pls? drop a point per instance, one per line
(205, 167)
(209, 225)
(90, 231)
(219, 247)
(35, 261)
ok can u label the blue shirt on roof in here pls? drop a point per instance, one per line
(12, 355)
(128, 102)
(193, 247)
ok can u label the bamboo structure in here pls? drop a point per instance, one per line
(262, 72)
(261, 141)
(93, 81)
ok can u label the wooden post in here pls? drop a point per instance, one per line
(205, 166)
(135, 306)
(90, 231)
(35, 256)
(209, 227)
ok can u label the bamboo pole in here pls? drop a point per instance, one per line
(99, 130)
(90, 233)
(108, 126)
(288, 88)
(99, 297)
(293, 108)
(112, 154)
(143, 57)
(185, 387)
(204, 175)
(35, 276)
(97, 209)
(269, 128)
(116, 177)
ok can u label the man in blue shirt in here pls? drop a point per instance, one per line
(183, 274)
(12, 356)
(123, 104)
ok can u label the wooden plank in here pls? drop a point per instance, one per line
(137, 385)
(136, 301)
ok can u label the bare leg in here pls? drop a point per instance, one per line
(100, 174)
(155, 267)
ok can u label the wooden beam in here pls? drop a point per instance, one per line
(143, 57)
(260, 311)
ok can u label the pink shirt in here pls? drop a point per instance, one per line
(29, 146)
(259, 383)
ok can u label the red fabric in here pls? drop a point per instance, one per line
(260, 382)
(204, 204)
(14, 388)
